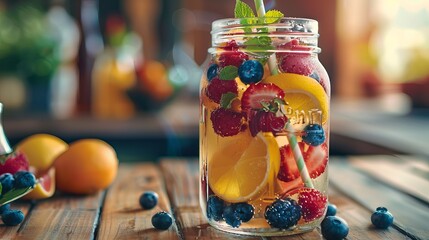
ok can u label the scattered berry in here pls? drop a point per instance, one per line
(148, 200)
(217, 87)
(14, 163)
(382, 218)
(231, 216)
(316, 160)
(226, 122)
(296, 63)
(314, 134)
(12, 217)
(332, 210)
(24, 179)
(7, 181)
(251, 71)
(4, 208)
(312, 202)
(334, 228)
(244, 211)
(283, 213)
(258, 94)
(266, 122)
(212, 71)
(232, 56)
(162, 220)
(215, 207)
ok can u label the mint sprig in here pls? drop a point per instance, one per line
(273, 16)
(242, 10)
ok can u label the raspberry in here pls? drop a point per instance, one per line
(226, 122)
(312, 202)
(162, 220)
(217, 87)
(148, 200)
(251, 71)
(232, 57)
(14, 163)
(283, 213)
(382, 218)
(334, 228)
(297, 63)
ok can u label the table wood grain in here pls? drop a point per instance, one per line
(357, 186)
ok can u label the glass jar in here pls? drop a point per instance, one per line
(264, 127)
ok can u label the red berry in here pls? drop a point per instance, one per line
(288, 168)
(297, 63)
(316, 160)
(312, 202)
(226, 122)
(261, 92)
(217, 87)
(232, 55)
(265, 122)
(14, 163)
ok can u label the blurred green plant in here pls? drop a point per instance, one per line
(28, 48)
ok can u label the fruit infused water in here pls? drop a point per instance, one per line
(264, 126)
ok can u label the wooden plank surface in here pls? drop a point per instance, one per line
(7, 232)
(122, 216)
(411, 214)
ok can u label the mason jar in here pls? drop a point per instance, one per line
(264, 127)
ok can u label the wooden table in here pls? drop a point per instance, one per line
(357, 186)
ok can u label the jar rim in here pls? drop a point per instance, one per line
(307, 25)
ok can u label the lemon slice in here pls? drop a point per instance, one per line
(45, 186)
(302, 93)
(238, 172)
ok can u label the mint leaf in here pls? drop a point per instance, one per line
(242, 10)
(261, 46)
(273, 16)
(14, 194)
(228, 73)
(226, 99)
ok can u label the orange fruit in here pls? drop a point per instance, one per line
(88, 165)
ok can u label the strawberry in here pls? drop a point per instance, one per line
(297, 63)
(226, 122)
(266, 122)
(232, 56)
(258, 94)
(312, 202)
(217, 87)
(14, 163)
(316, 159)
(288, 168)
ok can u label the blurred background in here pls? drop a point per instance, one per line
(128, 71)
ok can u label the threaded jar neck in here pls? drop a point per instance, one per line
(255, 34)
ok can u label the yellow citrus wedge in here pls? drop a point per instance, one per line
(45, 186)
(302, 93)
(238, 172)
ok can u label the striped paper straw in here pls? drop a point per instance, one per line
(299, 159)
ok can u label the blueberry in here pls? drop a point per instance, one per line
(7, 181)
(24, 179)
(162, 220)
(334, 228)
(212, 71)
(283, 213)
(251, 71)
(382, 218)
(332, 210)
(231, 216)
(4, 208)
(315, 76)
(314, 135)
(148, 200)
(12, 217)
(215, 207)
(244, 211)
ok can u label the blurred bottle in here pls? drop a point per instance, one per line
(64, 83)
(4, 144)
(114, 73)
